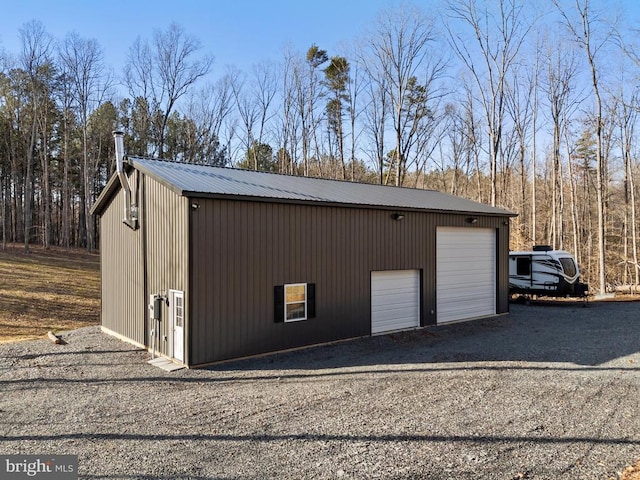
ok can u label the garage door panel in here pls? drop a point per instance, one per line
(456, 289)
(400, 311)
(465, 273)
(461, 291)
(395, 292)
(395, 300)
(459, 311)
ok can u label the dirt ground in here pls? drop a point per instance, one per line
(548, 392)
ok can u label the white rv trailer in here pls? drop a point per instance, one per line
(545, 272)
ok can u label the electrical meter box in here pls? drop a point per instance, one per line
(155, 307)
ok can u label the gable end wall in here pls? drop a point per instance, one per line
(136, 263)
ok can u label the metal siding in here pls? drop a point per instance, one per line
(122, 279)
(241, 250)
(166, 233)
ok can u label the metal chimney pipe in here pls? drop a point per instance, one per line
(130, 219)
(118, 136)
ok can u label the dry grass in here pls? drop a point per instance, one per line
(54, 289)
(631, 472)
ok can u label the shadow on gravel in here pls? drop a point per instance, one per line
(315, 374)
(31, 356)
(157, 477)
(548, 333)
(467, 439)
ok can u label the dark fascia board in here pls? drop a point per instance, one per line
(248, 198)
(110, 189)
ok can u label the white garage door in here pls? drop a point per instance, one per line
(395, 300)
(466, 273)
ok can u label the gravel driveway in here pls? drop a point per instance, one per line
(548, 392)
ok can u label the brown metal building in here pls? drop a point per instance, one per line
(238, 263)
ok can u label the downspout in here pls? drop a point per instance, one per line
(130, 208)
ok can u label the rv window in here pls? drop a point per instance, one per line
(523, 266)
(569, 266)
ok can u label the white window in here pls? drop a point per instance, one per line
(295, 302)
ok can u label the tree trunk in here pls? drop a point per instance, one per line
(28, 186)
(46, 189)
(634, 237)
(86, 175)
(574, 203)
(3, 193)
(66, 226)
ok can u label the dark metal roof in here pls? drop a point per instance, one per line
(199, 180)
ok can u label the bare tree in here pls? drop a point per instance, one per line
(558, 85)
(577, 250)
(399, 62)
(376, 117)
(353, 91)
(288, 121)
(209, 109)
(82, 61)
(499, 38)
(163, 71)
(265, 87)
(301, 98)
(35, 59)
(520, 105)
(253, 97)
(246, 108)
(580, 24)
(533, 234)
(64, 96)
(474, 140)
(627, 118)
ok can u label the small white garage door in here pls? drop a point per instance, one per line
(465, 273)
(395, 300)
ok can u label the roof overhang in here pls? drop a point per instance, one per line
(248, 198)
(113, 187)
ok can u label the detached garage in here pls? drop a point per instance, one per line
(205, 264)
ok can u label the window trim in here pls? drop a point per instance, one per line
(519, 265)
(305, 302)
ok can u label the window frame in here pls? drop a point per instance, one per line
(570, 262)
(519, 264)
(297, 302)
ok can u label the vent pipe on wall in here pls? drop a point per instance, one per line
(130, 208)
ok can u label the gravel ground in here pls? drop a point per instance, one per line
(548, 392)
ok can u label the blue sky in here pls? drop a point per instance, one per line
(236, 32)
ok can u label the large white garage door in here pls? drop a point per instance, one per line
(395, 300)
(466, 273)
